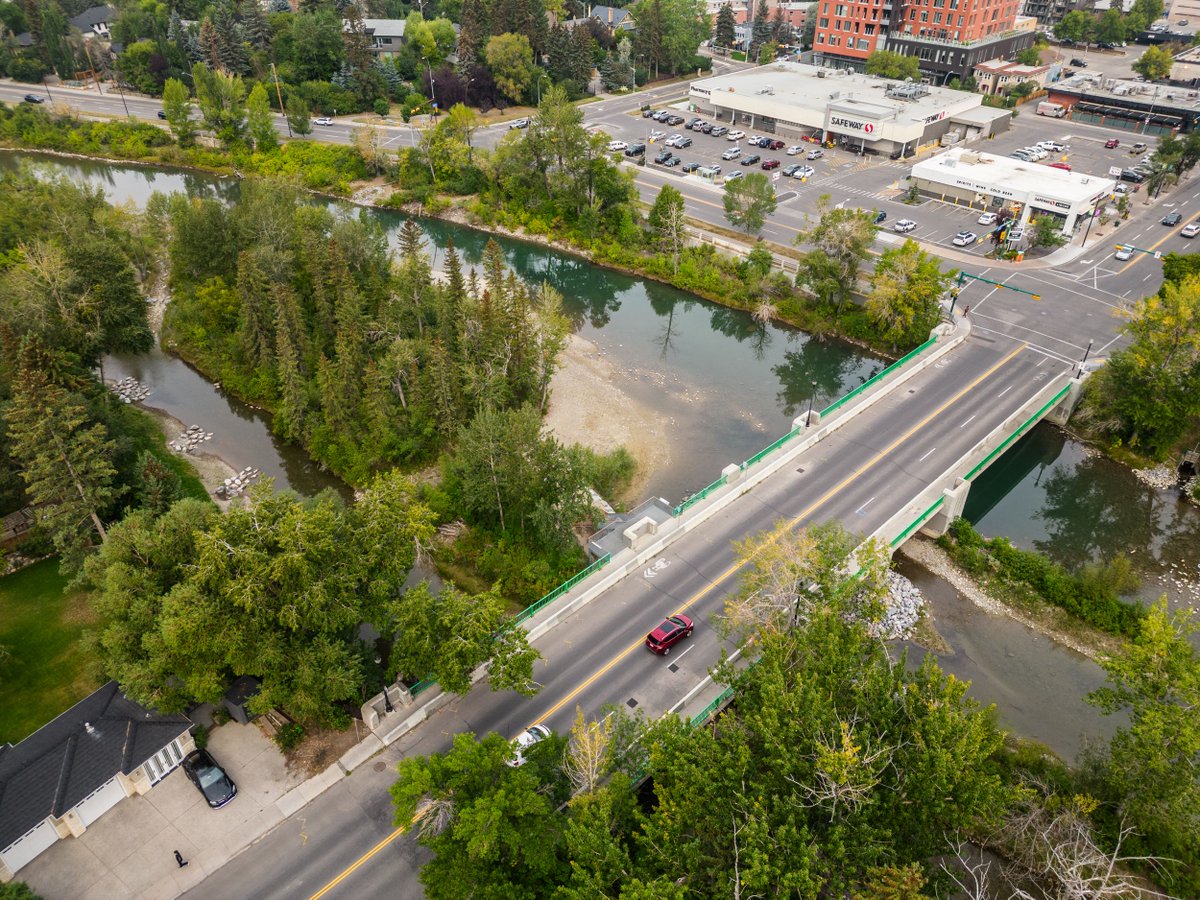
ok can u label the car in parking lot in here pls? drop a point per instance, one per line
(663, 156)
(1172, 218)
(694, 123)
(648, 112)
(800, 171)
(751, 159)
(733, 176)
(756, 141)
(1132, 175)
(683, 142)
(670, 141)
(675, 120)
(325, 120)
(735, 135)
(769, 164)
(965, 238)
(615, 146)
(635, 149)
(656, 134)
(1059, 165)
(1120, 188)
(1123, 252)
(987, 218)
(673, 630)
(1111, 143)
(774, 144)
(816, 153)
(732, 153)
(791, 171)
(518, 123)
(880, 215)
(719, 130)
(708, 128)
(1022, 155)
(1076, 61)
(1190, 230)
(904, 226)
(534, 734)
(210, 779)
(1052, 146)
(690, 167)
(673, 161)
(795, 150)
(660, 116)
(1138, 147)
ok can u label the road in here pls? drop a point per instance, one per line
(858, 476)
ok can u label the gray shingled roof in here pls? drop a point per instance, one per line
(62, 762)
(94, 16)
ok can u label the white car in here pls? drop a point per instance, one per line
(988, 218)
(965, 238)
(673, 140)
(1190, 231)
(1052, 146)
(615, 146)
(1038, 152)
(816, 154)
(804, 172)
(735, 135)
(323, 120)
(795, 150)
(904, 226)
(518, 123)
(733, 176)
(732, 153)
(655, 134)
(1123, 252)
(1121, 188)
(524, 741)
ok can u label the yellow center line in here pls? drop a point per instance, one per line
(1138, 257)
(703, 592)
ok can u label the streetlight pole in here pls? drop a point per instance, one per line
(811, 395)
(432, 93)
(1086, 354)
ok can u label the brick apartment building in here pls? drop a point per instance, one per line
(949, 36)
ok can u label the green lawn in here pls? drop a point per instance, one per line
(40, 626)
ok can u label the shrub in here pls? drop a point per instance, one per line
(289, 736)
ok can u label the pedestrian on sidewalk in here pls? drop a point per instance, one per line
(179, 859)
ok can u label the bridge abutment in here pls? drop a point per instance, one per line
(954, 502)
(1062, 412)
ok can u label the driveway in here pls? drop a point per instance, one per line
(129, 852)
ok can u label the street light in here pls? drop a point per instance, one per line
(811, 394)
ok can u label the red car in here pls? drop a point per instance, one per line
(673, 630)
(775, 145)
(1111, 143)
(769, 164)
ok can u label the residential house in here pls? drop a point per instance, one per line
(68, 773)
(95, 22)
(999, 76)
(386, 35)
(616, 18)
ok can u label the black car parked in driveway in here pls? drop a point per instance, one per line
(209, 778)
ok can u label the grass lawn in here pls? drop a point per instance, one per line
(40, 625)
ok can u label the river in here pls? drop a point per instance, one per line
(724, 387)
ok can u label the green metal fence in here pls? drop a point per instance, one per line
(534, 608)
(917, 522)
(1030, 422)
(421, 686)
(866, 384)
(769, 449)
(707, 713)
(699, 495)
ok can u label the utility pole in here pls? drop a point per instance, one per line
(91, 65)
(117, 82)
(279, 94)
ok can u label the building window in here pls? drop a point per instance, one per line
(870, 29)
(840, 9)
(820, 38)
(824, 23)
(924, 16)
(960, 18)
(937, 18)
(863, 44)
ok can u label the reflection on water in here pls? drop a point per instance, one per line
(723, 399)
(1058, 496)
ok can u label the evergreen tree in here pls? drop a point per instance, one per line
(292, 414)
(725, 33)
(255, 26)
(257, 330)
(473, 35)
(231, 47)
(64, 458)
(760, 30)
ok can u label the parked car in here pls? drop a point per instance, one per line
(1111, 144)
(987, 218)
(683, 142)
(663, 156)
(1190, 230)
(751, 159)
(674, 120)
(670, 142)
(774, 144)
(1132, 175)
(1120, 188)
(790, 171)
(1105, 45)
(733, 176)
(904, 226)
(803, 171)
(735, 135)
(1173, 218)
(615, 146)
(880, 216)
(519, 123)
(647, 112)
(694, 123)
(661, 116)
(795, 150)
(690, 167)
(673, 630)
(1076, 61)
(1059, 165)
(325, 120)
(965, 238)
(732, 153)
(719, 131)
(1021, 155)
(756, 141)
(816, 153)
(708, 128)
(1052, 146)
(34, 98)
(673, 161)
(769, 164)
(210, 779)
(1123, 252)
(1137, 148)
(635, 149)
(656, 134)
(532, 735)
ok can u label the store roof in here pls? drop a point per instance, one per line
(1017, 176)
(1094, 84)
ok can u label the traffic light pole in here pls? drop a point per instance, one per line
(962, 276)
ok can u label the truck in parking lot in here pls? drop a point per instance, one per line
(1046, 108)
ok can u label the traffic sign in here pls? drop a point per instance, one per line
(775, 177)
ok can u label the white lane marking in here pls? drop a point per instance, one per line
(859, 511)
(682, 655)
(923, 458)
(968, 422)
(1003, 392)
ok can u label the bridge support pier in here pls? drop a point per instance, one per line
(810, 419)
(954, 502)
(1061, 413)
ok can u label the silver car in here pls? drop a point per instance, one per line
(523, 741)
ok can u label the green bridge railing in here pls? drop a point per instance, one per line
(837, 404)
(917, 523)
(532, 609)
(1029, 423)
(698, 496)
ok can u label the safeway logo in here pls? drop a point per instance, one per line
(868, 127)
(850, 123)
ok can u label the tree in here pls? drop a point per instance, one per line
(1074, 25)
(725, 34)
(1111, 26)
(64, 457)
(1047, 232)
(1030, 56)
(889, 64)
(841, 241)
(18, 890)
(1151, 767)
(760, 30)
(298, 115)
(1154, 64)
(222, 103)
(748, 202)
(906, 290)
(668, 223)
(260, 120)
(177, 105)
(510, 58)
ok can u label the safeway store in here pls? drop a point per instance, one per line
(795, 101)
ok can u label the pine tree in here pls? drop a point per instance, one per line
(210, 45)
(257, 311)
(760, 31)
(453, 299)
(780, 31)
(231, 46)
(473, 35)
(255, 25)
(583, 51)
(291, 416)
(726, 30)
(64, 459)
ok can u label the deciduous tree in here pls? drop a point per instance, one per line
(177, 105)
(260, 120)
(510, 58)
(889, 64)
(667, 221)
(1154, 64)
(906, 290)
(748, 202)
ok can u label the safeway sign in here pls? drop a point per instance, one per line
(839, 122)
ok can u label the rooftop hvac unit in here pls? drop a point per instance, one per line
(821, 73)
